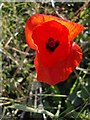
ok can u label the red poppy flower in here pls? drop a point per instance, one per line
(56, 54)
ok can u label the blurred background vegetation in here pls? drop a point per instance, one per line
(23, 98)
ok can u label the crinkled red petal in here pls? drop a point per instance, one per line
(61, 71)
(37, 19)
(57, 31)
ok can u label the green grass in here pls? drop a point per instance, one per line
(24, 97)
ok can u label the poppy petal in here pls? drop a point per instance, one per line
(61, 71)
(31, 23)
(29, 39)
(37, 19)
(57, 32)
(74, 28)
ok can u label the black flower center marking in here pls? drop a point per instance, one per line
(51, 45)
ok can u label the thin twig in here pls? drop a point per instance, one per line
(82, 81)
(51, 95)
(4, 51)
(86, 71)
(30, 109)
(57, 13)
(81, 10)
(67, 114)
(12, 48)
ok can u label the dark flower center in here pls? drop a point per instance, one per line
(51, 45)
